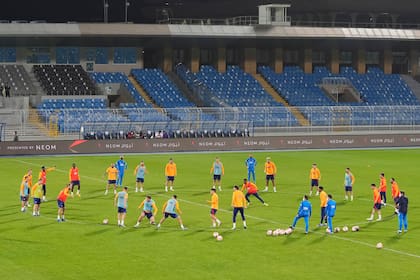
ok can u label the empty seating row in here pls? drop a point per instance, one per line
(16, 77)
(64, 80)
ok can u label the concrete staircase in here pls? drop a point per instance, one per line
(413, 84)
(268, 88)
(189, 94)
(143, 93)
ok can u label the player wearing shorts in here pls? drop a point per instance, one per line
(36, 193)
(74, 178)
(121, 202)
(251, 189)
(43, 176)
(377, 203)
(395, 192)
(170, 173)
(348, 184)
(29, 181)
(61, 200)
(315, 177)
(140, 172)
(238, 204)
(24, 193)
(270, 171)
(382, 188)
(170, 209)
(149, 211)
(214, 206)
(218, 171)
(112, 174)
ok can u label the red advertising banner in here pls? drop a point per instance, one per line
(209, 144)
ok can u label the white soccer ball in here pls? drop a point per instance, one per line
(379, 245)
(275, 232)
(219, 238)
(269, 232)
(281, 232)
(215, 234)
(288, 231)
(337, 229)
(355, 228)
(105, 221)
(345, 229)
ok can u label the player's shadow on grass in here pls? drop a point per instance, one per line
(200, 193)
(101, 231)
(10, 221)
(321, 237)
(39, 226)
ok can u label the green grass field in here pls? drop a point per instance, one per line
(83, 248)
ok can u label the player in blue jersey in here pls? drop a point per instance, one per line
(170, 209)
(331, 207)
(250, 163)
(140, 172)
(217, 170)
(121, 165)
(149, 211)
(121, 201)
(305, 212)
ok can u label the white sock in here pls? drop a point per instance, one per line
(58, 217)
(62, 217)
(141, 189)
(244, 223)
(166, 188)
(346, 197)
(182, 226)
(234, 225)
(214, 224)
(274, 189)
(119, 222)
(137, 189)
(351, 198)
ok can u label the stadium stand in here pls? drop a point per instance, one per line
(17, 78)
(301, 90)
(240, 90)
(64, 80)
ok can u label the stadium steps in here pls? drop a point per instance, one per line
(143, 93)
(413, 84)
(182, 86)
(268, 88)
(35, 121)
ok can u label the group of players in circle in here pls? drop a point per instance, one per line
(240, 201)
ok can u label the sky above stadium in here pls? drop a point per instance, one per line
(147, 10)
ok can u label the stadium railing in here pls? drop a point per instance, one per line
(264, 120)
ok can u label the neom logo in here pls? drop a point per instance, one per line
(46, 147)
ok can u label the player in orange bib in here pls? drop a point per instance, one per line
(270, 171)
(43, 177)
(377, 203)
(214, 205)
(170, 173)
(61, 200)
(74, 178)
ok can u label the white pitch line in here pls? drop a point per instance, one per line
(255, 218)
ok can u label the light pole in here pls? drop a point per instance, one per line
(106, 6)
(127, 4)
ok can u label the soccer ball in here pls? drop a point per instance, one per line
(275, 232)
(379, 245)
(281, 232)
(337, 229)
(355, 228)
(215, 234)
(269, 232)
(288, 231)
(219, 238)
(345, 229)
(105, 221)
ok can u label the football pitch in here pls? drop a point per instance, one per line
(84, 248)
